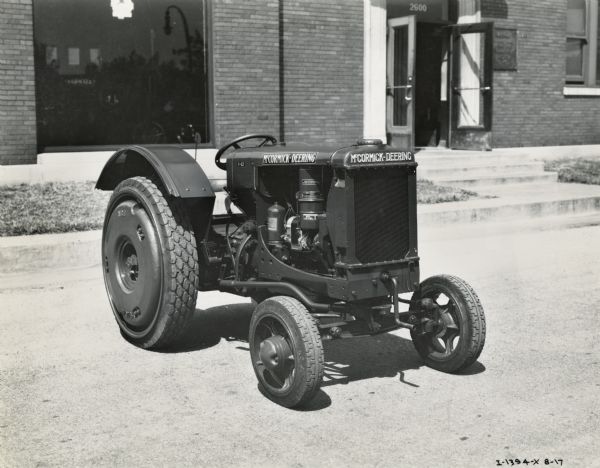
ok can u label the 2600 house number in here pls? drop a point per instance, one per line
(418, 7)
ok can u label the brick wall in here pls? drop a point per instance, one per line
(323, 70)
(529, 106)
(323, 47)
(245, 68)
(17, 89)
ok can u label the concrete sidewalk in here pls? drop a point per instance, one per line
(20, 254)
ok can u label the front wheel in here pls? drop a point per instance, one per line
(150, 263)
(286, 351)
(453, 337)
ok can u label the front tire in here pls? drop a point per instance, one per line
(286, 351)
(150, 263)
(457, 329)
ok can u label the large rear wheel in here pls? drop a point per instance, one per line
(286, 351)
(150, 263)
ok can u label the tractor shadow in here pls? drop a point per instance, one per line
(368, 357)
(208, 326)
(380, 356)
(347, 360)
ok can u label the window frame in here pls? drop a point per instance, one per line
(589, 52)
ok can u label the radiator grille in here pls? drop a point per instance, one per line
(381, 214)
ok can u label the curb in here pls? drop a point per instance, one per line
(21, 254)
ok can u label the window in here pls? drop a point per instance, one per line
(114, 72)
(582, 42)
(598, 49)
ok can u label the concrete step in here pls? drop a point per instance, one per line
(484, 180)
(477, 169)
(451, 158)
(511, 211)
(501, 227)
(468, 160)
(515, 202)
(523, 153)
(431, 171)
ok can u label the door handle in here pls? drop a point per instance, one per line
(484, 89)
(408, 88)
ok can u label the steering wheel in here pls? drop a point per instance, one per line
(235, 143)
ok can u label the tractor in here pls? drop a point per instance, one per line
(322, 239)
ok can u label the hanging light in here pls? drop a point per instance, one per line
(122, 9)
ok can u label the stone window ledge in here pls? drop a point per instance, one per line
(581, 91)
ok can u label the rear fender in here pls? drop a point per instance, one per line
(176, 170)
(180, 175)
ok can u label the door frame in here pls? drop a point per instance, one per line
(401, 135)
(477, 137)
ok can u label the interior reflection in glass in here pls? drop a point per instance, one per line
(101, 80)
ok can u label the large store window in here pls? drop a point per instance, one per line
(582, 42)
(113, 72)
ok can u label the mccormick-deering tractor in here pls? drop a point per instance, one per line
(324, 240)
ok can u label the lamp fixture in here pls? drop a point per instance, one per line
(122, 9)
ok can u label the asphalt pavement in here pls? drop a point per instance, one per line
(74, 393)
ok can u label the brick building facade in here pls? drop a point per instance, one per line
(17, 86)
(318, 95)
(304, 70)
(531, 105)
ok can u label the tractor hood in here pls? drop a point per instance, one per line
(366, 153)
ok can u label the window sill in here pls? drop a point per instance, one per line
(581, 91)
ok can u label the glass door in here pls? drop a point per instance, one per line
(400, 73)
(471, 86)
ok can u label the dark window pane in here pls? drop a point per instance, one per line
(598, 49)
(400, 108)
(575, 58)
(101, 80)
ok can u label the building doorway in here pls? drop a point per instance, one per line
(431, 112)
(439, 77)
(418, 41)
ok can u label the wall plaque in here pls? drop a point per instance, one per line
(505, 49)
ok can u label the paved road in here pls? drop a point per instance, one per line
(74, 393)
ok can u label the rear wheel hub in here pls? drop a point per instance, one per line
(133, 266)
(127, 265)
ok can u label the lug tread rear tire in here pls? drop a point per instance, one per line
(181, 285)
(475, 320)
